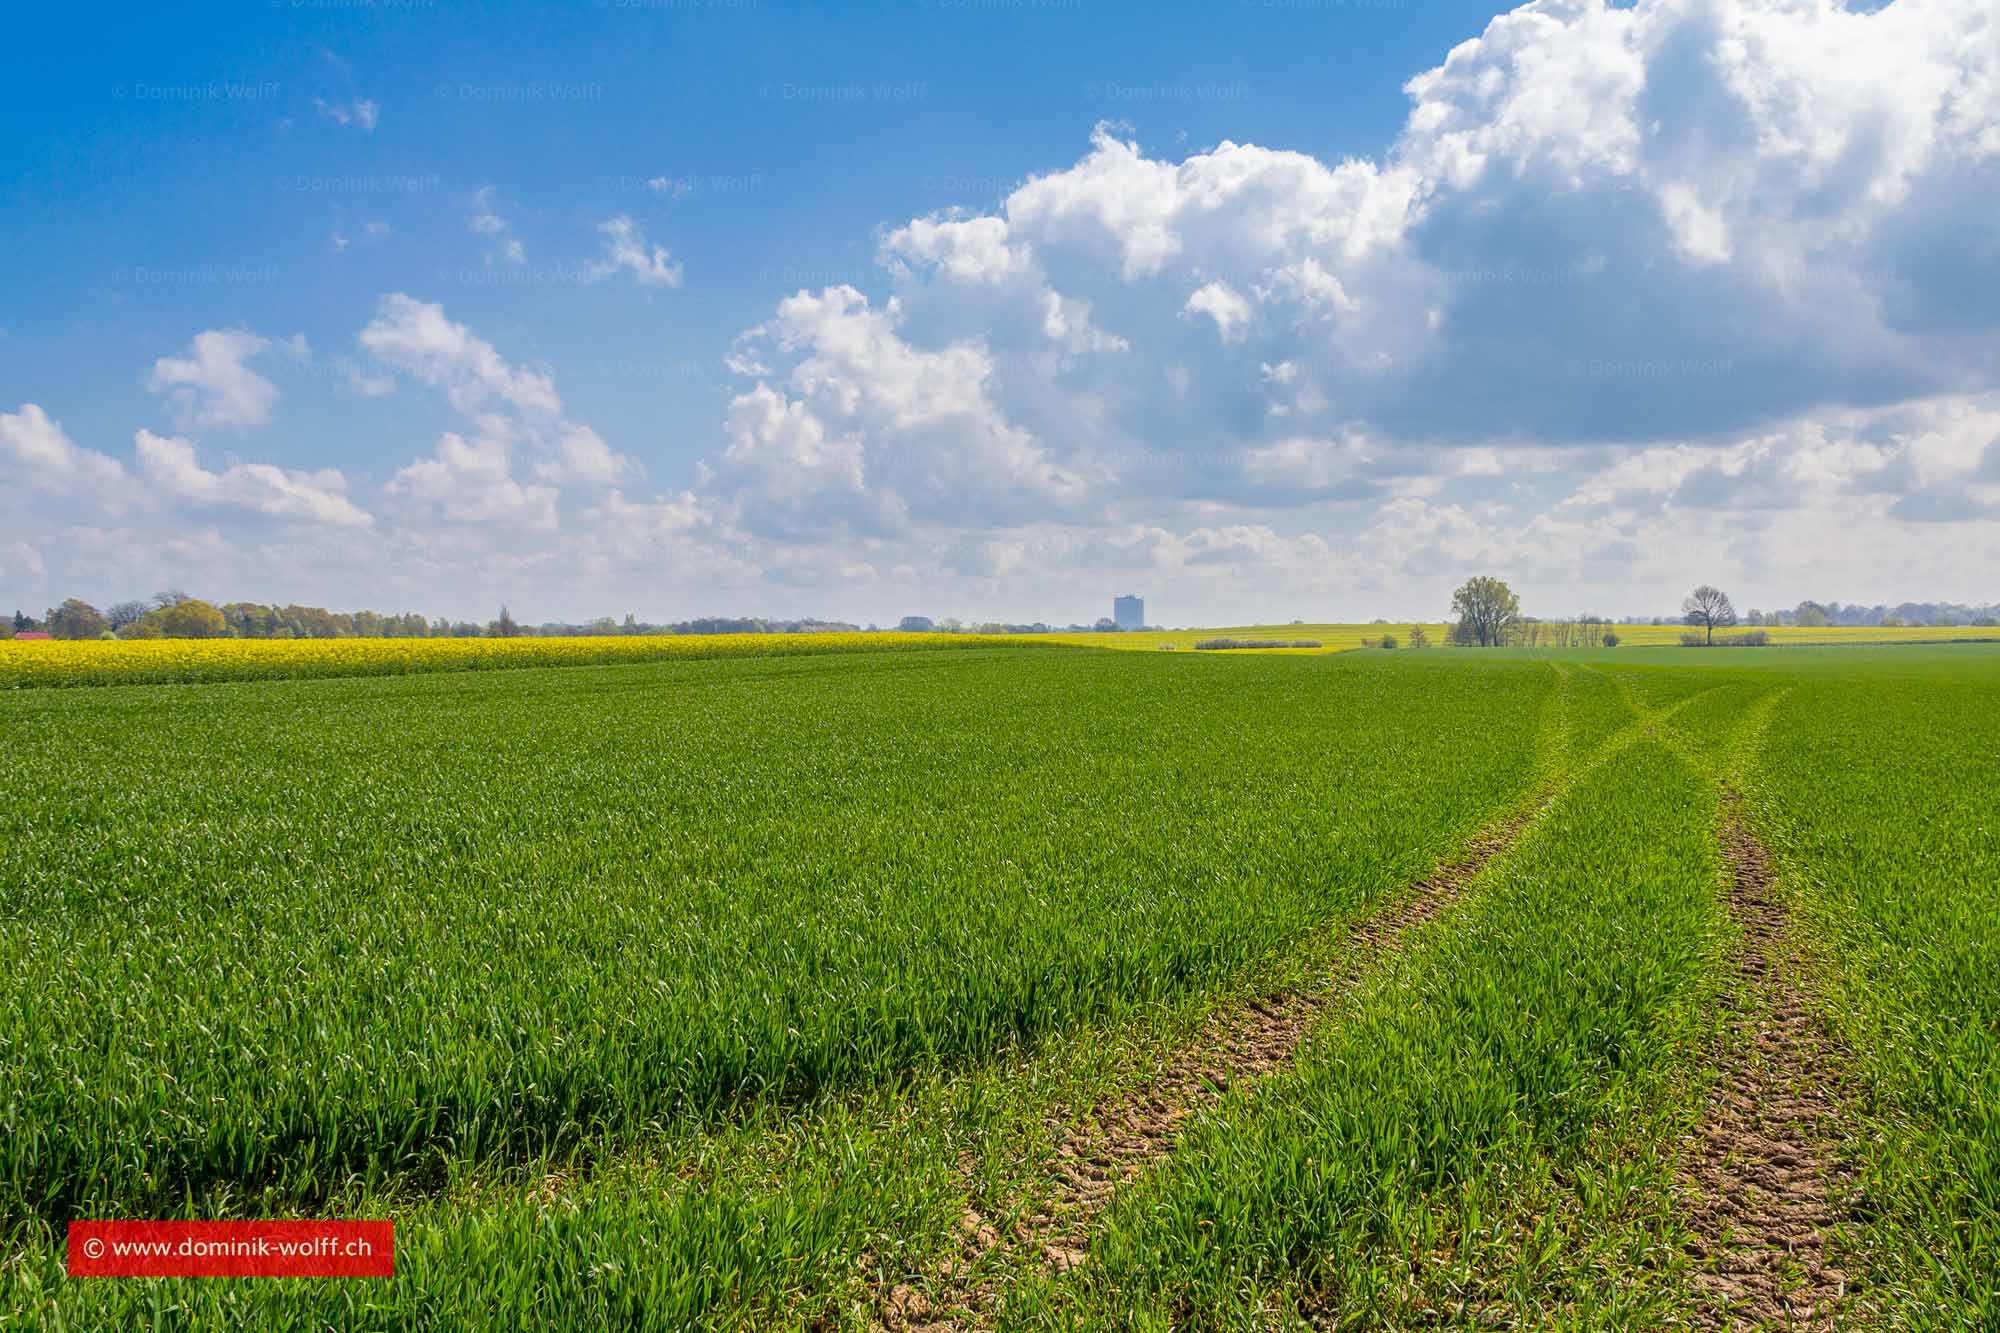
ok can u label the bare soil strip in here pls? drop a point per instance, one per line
(1121, 1138)
(1766, 1185)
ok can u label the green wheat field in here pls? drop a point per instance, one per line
(766, 991)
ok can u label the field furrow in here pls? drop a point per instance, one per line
(1875, 795)
(1120, 1138)
(1768, 1186)
(1493, 1058)
(1047, 1229)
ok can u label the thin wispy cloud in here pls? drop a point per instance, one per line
(484, 220)
(360, 113)
(626, 250)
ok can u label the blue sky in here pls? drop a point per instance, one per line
(141, 203)
(991, 309)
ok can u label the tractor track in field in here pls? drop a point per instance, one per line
(1766, 1185)
(1124, 1135)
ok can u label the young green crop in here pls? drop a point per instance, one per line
(704, 993)
(263, 937)
(1569, 989)
(1880, 797)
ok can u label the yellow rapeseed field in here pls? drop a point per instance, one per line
(189, 661)
(1342, 638)
(157, 661)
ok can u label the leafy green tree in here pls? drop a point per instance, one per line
(1486, 609)
(191, 619)
(77, 619)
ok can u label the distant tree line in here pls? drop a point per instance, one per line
(1485, 612)
(631, 624)
(760, 625)
(1818, 615)
(175, 615)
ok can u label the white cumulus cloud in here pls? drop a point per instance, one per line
(214, 385)
(415, 337)
(50, 460)
(509, 410)
(472, 481)
(318, 497)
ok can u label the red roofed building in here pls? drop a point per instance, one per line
(31, 634)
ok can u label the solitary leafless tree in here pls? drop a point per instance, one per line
(1707, 607)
